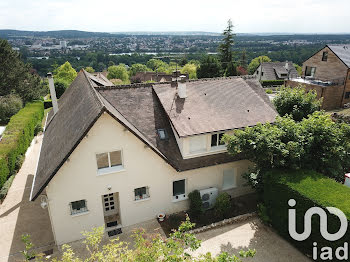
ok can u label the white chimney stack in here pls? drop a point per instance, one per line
(181, 87)
(287, 65)
(52, 93)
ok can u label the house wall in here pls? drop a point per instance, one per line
(77, 179)
(332, 95)
(331, 69)
(347, 89)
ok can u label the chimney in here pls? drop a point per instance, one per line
(52, 93)
(181, 87)
(287, 65)
(175, 78)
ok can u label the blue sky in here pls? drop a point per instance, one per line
(248, 16)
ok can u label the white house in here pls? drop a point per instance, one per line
(117, 156)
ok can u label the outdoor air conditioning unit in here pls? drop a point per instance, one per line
(208, 197)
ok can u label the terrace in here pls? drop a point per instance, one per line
(319, 82)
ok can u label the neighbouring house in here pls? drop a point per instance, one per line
(268, 71)
(328, 73)
(117, 156)
(141, 77)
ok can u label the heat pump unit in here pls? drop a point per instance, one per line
(208, 197)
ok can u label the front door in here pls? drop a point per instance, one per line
(109, 204)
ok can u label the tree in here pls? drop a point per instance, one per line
(225, 48)
(299, 69)
(296, 102)
(118, 72)
(65, 73)
(16, 76)
(135, 68)
(315, 143)
(243, 62)
(190, 69)
(231, 69)
(89, 69)
(254, 64)
(209, 67)
(9, 105)
(241, 71)
(177, 247)
(156, 64)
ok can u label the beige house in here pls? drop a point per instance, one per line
(117, 156)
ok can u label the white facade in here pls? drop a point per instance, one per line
(79, 179)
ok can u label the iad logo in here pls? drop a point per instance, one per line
(326, 252)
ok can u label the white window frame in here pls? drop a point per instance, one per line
(78, 212)
(179, 197)
(110, 169)
(217, 140)
(234, 179)
(148, 195)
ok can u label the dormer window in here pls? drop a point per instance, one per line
(163, 135)
(216, 139)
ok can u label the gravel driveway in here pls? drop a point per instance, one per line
(249, 234)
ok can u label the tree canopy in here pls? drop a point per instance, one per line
(315, 143)
(135, 68)
(225, 48)
(190, 69)
(118, 72)
(65, 73)
(209, 67)
(254, 64)
(296, 102)
(16, 76)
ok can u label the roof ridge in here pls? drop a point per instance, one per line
(98, 99)
(145, 85)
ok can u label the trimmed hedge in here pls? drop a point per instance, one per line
(5, 188)
(17, 137)
(272, 82)
(309, 189)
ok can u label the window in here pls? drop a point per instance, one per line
(109, 160)
(78, 207)
(198, 144)
(229, 179)
(262, 73)
(216, 139)
(163, 135)
(324, 56)
(310, 71)
(109, 202)
(141, 193)
(347, 95)
(179, 189)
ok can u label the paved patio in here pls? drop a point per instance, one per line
(20, 216)
(249, 234)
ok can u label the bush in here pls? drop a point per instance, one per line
(175, 220)
(296, 102)
(38, 128)
(5, 188)
(195, 204)
(17, 137)
(309, 189)
(269, 91)
(9, 106)
(222, 205)
(60, 87)
(19, 162)
(47, 104)
(272, 82)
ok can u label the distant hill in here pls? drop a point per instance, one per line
(6, 33)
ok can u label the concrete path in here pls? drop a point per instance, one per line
(20, 216)
(250, 234)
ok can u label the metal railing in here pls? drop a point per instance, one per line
(320, 82)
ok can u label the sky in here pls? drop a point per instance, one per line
(248, 16)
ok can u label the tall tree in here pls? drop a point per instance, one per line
(16, 76)
(65, 73)
(243, 62)
(254, 64)
(225, 48)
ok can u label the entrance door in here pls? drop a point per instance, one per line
(109, 204)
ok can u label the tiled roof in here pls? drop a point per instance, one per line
(215, 105)
(273, 70)
(343, 52)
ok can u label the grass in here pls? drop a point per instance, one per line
(320, 189)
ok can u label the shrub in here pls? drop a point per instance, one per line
(268, 91)
(60, 87)
(5, 188)
(222, 205)
(272, 82)
(38, 128)
(296, 102)
(175, 220)
(9, 105)
(19, 162)
(47, 104)
(195, 204)
(309, 189)
(18, 136)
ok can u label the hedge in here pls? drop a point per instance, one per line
(272, 82)
(5, 188)
(17, 137)
(309, 189)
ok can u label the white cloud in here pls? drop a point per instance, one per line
(300, 16)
